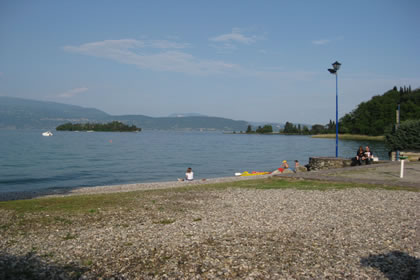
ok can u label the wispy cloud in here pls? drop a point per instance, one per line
(72, 92)
(321, 42)
(235, 36)
(157, 55)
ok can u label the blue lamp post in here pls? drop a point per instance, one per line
(336, 66)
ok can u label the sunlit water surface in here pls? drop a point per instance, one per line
(30, 161)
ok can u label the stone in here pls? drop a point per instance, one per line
(319, 163)
(287, 171)
(301, 169)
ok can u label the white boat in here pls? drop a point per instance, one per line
(47, 133)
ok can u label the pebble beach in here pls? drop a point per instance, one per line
(233, 233)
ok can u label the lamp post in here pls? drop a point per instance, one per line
(336, 66)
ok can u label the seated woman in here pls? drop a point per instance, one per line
(189, 175)
(284, 168)
(359, 156)
(367, 156)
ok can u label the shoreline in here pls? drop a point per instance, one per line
(106, 189)
(386, 174)
(357, 137)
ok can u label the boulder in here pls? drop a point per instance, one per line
(301, 169)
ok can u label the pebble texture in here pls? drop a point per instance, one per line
(224, 234)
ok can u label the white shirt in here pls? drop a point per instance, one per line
(189, 176)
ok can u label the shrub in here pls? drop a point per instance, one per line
(406, 137)
(266, 129)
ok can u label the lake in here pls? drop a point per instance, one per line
(30, 161)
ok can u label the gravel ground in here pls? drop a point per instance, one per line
(222, 234)
(387, 174)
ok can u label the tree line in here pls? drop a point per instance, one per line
(293, 129)
(374, 117)
(378, 115)
(290, 128)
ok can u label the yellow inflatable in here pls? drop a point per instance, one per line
(254, 173)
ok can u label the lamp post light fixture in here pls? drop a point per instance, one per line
(336, 66)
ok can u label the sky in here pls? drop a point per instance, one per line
(262, 61)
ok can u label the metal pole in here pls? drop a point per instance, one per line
(396, 127)
(336, 115)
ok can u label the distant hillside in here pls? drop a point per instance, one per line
(183, 115)
(182, 123)
(17, 113)
(378, 114)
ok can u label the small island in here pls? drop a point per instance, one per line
(114, 126)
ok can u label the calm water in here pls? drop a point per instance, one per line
(29, 161)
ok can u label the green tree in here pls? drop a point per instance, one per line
(305, 130)
(377, 115)
(112, 126)
(288, 128)
(249, 129)
(318, 129)
(266, 129)
(406, 137)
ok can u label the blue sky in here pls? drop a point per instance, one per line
(245, 60)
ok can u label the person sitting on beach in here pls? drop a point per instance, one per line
(296, 165)
(189, 175)
(367, 155)
(359, 156)
(283, 167)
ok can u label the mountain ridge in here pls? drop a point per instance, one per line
(20, 113)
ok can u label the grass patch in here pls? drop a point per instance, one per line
(165, 221)
(351, 137)
(87, 262)
(63, 220)
(283, 183)
(69, 236)
(69, 204)
(83, 204)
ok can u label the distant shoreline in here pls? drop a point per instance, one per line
(340, 136)
(351, 137)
